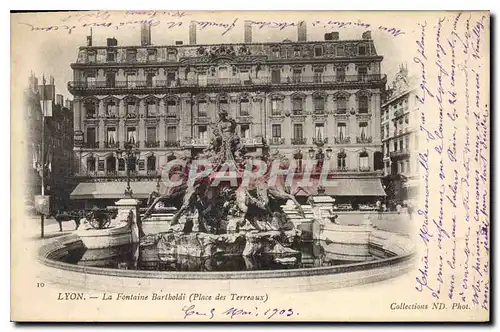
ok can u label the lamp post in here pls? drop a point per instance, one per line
(130, 156)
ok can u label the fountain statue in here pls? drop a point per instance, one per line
(219, 218)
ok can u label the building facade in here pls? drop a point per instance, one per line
(307, 99)
(400, 138)
(58, 142)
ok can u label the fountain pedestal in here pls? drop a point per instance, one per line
(128, 210)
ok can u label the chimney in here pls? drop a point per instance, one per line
(145, 34)
(192, 33)
(301, 31)
(367, 35)
(248, 31)
(59, 100)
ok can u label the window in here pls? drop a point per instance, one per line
(245, 131)
(91, 164)
(382, 132)
(276, 52)
(223, 104)
(202, 108)
(121, 164)
(362, 49)
(407, 143)
(171, 55)
(319, 104)
(90, 108)
(318, 75)
(402, 166)
(296, 75)
(341, 105)
(407, 119)
(111, 135)
(203, 134)
(296, 52)
(91, 137)
(171, 134)
(110, 56)
(341, 131)
(340, 73)
(318, 51)
(244, 75)
(340, 50)
(91, 79)
(319, 131)
(151, 134)
(151, 55)
(131, 135)
(131, 55)
(363, 104)
(276, 106)
(276, 76)
(244, 107)
(387, 148)
(297, 131)
(111, 109)
(341, 164)
(401, 145)
(91, 57)
(297, 105)
(362, 74)
(111, 164)
(152, 108)
(276, 130)
(131, 80)
(131, 164)
(171, 79)
(151, 163)
(395, 145)
(150, 79)
(131, 109)
(110, 80)
(363, 128)
(171, 108)
(363, 161)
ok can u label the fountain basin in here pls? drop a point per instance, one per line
(105, 238)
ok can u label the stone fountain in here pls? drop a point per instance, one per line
(216, 218)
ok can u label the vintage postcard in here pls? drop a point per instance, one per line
(185, 166)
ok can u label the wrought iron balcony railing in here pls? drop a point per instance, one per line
(152, 172)
(342, 140)
(276, 141)
(399, 153)
(250, 141)
(91, 145)
(299, 141)
(171, 144)
(361, 140)
(111, 145)
(178, 83)
(152, 144)
(319, 111)
(320, 141)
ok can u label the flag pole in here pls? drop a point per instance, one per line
(42, 217)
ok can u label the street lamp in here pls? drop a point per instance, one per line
(130, 156)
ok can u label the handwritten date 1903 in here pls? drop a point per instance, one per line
(191, 311)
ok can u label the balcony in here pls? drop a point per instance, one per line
(320, 141)
(341, 111)
(364, 140)
(111, 173)
(297, 112)
(197, 142)
(319, 111)
(111, 145)
(342, 140)
(91, 145)
(299, 141)
(276, 141)
(250, 141)
(152, 144)
(364, 169)
(171, 144)
(152, 172)
(90, 116)
(211, 82)
(399, 153)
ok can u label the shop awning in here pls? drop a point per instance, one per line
(112, 190)
(344, 187)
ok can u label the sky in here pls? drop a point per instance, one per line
(42, 43)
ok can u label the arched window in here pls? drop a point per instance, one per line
(362, 49)
(202, 107)
(275, 51)
(363, 132)
(110, 164)
(363, 104)
(341, 102)
(276, 105)
(318, 50)
(363, 161)
(172, 110)
(378, 162)
(319, 103)
(151, 163)
(341, 157)
(91, 164)
(151, 107)
(297, 105)
(244, 106)
(111, 108)
(90, 106)
(132, 107)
